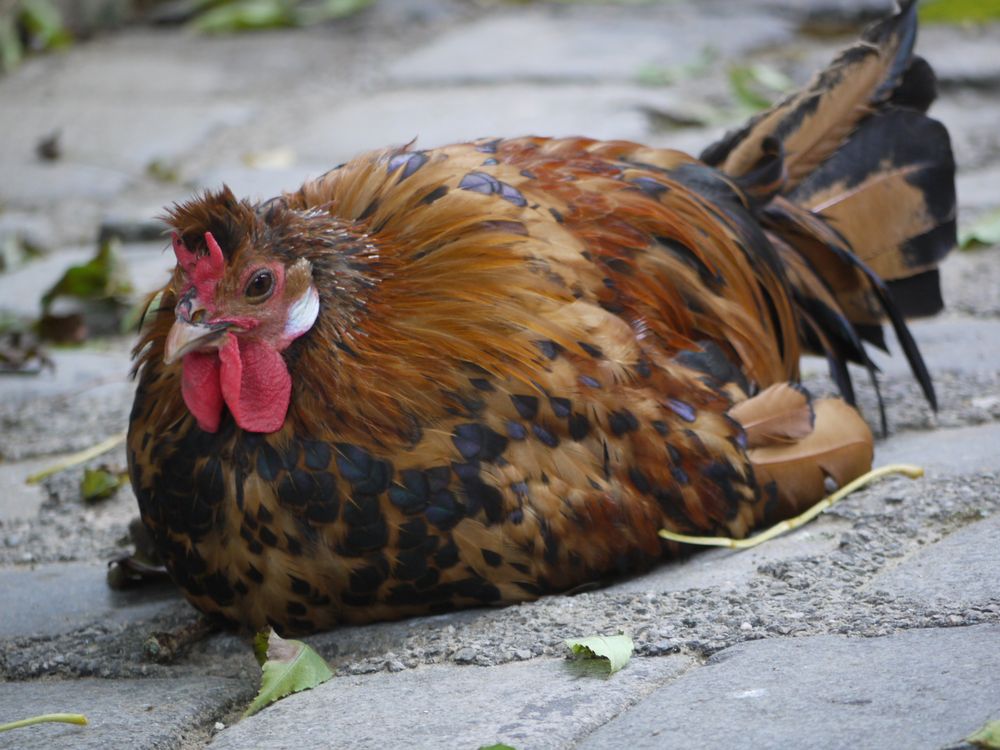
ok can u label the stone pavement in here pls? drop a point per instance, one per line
(877, 626)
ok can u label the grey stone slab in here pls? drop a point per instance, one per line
(600, 44)
(158, 65)
(149, 264)
(970, 280)
(146, 265)
(21, 290)
(837, 13)
(30, 228)
(978, 191)
(151, 714)
(138, 64)
(727, 570)
(96, 371)
(261, 184)
(29, 185)
(964, 54)
(543, 703)
(971, 119)
(84, 399)
(962, 356)
(955, 452)
(948, 342)
(53, 599)
(64, 527)
(17, 498)
(917, 689)
(957, 568)
(59, 418)
(446, 115)
(115, 134)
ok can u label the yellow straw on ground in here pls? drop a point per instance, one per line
(913, 472)
(75, 459)
(45, 718)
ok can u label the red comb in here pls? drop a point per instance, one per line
(185, 258)
(215, 260)
(204, 271)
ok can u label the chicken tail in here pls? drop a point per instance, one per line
(854, 185)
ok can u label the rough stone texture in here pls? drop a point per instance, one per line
(545, 703)
(962, 54)
(951, 570)
(152, 714)
(961, 353)
(924, 688)
(18, 499)
(440, 116)
(52, 599)
(726, 570)
(971, 279)
(547, 45)
(955, 452)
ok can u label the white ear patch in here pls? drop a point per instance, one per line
(302, 314)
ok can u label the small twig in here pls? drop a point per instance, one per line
(165, 647)
(75, 459)
(913, 472)
(44, 719)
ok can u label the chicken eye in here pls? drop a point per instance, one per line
(260, 286)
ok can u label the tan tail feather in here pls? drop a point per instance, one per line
(878, 215)
(824, 129)
(779, 415)
(814, 122)
(840, 446)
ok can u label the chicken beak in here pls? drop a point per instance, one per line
(185, 337)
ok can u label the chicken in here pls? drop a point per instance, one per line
(477, 374)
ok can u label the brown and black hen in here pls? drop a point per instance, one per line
(481, 373)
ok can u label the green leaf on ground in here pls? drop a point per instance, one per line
(162, 170)
(757, 86)
(959, 11)
(246, 15)
(666, 75)
(617, 649)
(100, 483)
(286, 667)
(982, 233)
(987, 738)
(227, 16)
(331, 10)
(11, 49)
(103, 277)
(29, 25)
(43, 23)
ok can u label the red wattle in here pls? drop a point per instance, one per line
(255, 384)
(250, 376)
(201, 388)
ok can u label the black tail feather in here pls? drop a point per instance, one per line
(854, 185)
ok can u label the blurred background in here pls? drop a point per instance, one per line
(112, 109)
